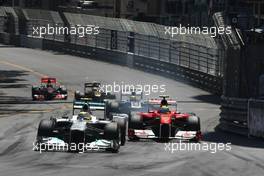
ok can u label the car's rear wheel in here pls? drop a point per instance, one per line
(110, 96)
(122, 123)
(34, 91)
(111, 107)
(78, 95)
(111, 131)
(135, 121)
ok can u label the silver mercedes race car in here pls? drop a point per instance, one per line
(82, 132)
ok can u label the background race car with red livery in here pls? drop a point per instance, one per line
(49, 89)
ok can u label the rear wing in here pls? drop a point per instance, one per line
(129, 93)
(51, 80)
(157, 101)
(92, 84)
(92, 105)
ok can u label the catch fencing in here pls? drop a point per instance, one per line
(3, 19)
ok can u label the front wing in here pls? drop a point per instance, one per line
(55, 144)
(180, 135)
(57, 97)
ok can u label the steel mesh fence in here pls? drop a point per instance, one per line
(195, 51)
(2, 20)
(48, 20)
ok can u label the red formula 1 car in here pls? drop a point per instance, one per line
(49, 89)
(164, 122)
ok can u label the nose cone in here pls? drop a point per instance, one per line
(165, 119)
(50, 90)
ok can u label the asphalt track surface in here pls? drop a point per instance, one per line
(19, 118)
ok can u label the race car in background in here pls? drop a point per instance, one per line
(164, 122)
(82, 128)
(130, 101)
(49, 89)
(93, 92)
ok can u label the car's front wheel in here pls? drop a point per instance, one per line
(45, 128)
(193, 123)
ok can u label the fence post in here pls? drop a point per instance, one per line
(159, 48)
(149, 46)
(189, 56)
(131, 42)
(169, 51)
(113, 39)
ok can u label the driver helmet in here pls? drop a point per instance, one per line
(49, 83)
(86, 108)
(84, 116)
(164, 102)
(164, 109)
(133, 96)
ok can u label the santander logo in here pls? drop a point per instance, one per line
(165, 119)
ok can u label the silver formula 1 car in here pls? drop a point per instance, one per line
(84, 129)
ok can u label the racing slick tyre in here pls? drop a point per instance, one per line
(45, 128)
(78, 95)
(122, 123)
(110, 96)
(34, 91)
(164, 132)
(192, 113)
(193, 123)
(135, 121)
(111, 107)
(112, 132)
(64, 91)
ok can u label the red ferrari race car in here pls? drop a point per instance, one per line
(164, 122)
(49, 89)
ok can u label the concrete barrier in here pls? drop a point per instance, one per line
(30, 42)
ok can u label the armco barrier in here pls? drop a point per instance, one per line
(9, 39)
(234, 115)
(256, 117)
(137, 62)
(86, 51)
(202, 80)
(196, 78)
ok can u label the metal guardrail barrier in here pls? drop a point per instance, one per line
(256, 117)
(233, 114)
(3, 19)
